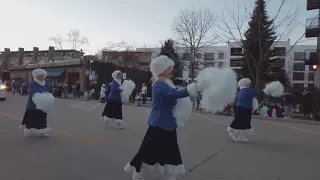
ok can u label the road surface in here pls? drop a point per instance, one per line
(80, 148)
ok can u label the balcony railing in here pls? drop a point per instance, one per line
(312, 27)
(313, 4)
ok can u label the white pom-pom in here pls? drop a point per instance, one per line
(255, 104)
(192, 89)
(127, 88)
(274, 89)
(183, 111)
(218, 87)
(43, 101)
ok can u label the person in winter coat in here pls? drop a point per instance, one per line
(103, 93)
(39, 101)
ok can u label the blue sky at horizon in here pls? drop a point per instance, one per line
(29, 23)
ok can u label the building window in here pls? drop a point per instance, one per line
(298, 67)
(208, 64)
(235, 62)
(221, 56)
(198, 55)
(299, 56)
(297, 76)
(279, 51)
(236, 51)
(209, 56)
(220, 64)
(186, 56)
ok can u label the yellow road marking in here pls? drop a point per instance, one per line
(76, 136)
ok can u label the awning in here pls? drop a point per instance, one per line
(55, 73)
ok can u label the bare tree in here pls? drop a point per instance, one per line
(194, 30)
(130, 58)
(58, 41)
(154, 50)
(75, 40)
(233, 25)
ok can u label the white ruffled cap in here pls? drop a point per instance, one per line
(38, 72)
(160, 64)
(244, 83)
(115, 73)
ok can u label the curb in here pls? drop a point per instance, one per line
(309, 122)
(300, 121)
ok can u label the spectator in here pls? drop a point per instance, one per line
(199, 97)
(77, 89)
(307, 103)
(144, 91)
(287, 104)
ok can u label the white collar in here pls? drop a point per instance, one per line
(39, 82)
(243, 87)
(170, 83)
(118, 81)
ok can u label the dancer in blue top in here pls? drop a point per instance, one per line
(113, 108)
(35, 118)
(160, 144)
(244, 106)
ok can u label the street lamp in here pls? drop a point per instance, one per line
(314, 67)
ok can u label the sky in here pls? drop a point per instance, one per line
(30, 23)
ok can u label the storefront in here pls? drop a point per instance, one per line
(68, 71)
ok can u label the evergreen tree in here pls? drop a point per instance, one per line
(259, 39)
(168, 49)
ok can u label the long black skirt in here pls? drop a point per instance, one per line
(35, 119)
(242, 118)
(113, 109)
(159, 147)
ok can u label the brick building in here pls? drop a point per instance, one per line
(61, 65)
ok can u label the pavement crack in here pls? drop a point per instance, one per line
(203, 162)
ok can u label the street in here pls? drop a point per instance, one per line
(80, 148)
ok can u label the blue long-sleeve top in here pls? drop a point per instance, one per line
(35, 88)
(164, 100)
(245, 97)
(115, 91)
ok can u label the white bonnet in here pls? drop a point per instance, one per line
(38, 72)
(115, 73)
(244, 83)
(160, 64)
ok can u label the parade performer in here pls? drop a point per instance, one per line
(40, 101)
(118, 95)
(171, 107)
(244, 106)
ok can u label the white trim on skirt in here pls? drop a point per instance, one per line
(166, 169)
